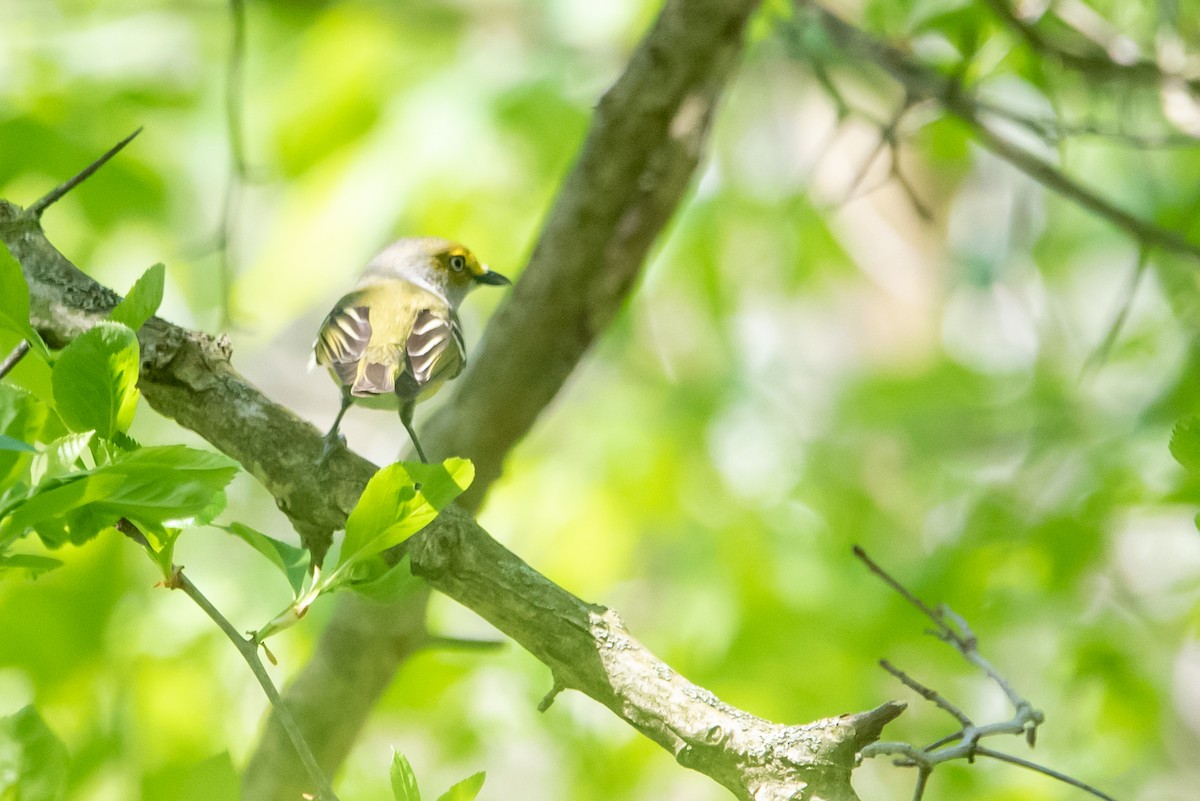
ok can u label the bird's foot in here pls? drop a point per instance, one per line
(332, 442)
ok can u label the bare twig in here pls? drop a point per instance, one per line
(1102, 351)
(57, 193)
(928, 694)
(951, 628)
(463, 644)
(923, 82)
(1053, 131)
(956, 633)
(1095, 64)
(237, 155)
(1054, 774)
(248, 648)
(14, 357)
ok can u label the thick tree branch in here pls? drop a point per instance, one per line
(643, 146)
(633, 170)
(585, 646)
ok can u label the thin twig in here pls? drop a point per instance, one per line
(237, 155)
(921, 81)
(954, 630)
(1051, 772)
(959, 636)
(922, 779)
(900, 589)
(1100, 354)
(927, 693)
(248, 648)
(249, 651)
(463, 644)
(56, 194)
(1095, 65)
(13, 358)
(1053, 131)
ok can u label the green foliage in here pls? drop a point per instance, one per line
(290, 560)
(14, 303)
(465, 790)
(33, 761)
(95, 380)
(1185, 443)
(22, 418)
(31, 564)
(7, 443)
(143, 299)
(404, 783)
(804, 366)
(399, 501)
(155, 487)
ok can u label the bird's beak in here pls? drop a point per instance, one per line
(493, 278)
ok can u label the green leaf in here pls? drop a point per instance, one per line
(60, 457)
(374, 578)
(399, 501)
(143, 299)
(1185, 443)
(95, 380)
(167, 487)
(291, 561)
(22, 418)
(7, 443)
(404, 782)
(160, 543)
(33, 564)
(33, 761)
(14, 303)
(466, 790)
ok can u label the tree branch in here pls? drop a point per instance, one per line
(1092, 62)
(586, 647)
(634, 168)
(57, 193)
(923, 82)
(642, 148)
(14, 358)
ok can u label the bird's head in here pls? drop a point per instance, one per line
(439, 265)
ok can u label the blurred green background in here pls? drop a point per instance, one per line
(807, 365)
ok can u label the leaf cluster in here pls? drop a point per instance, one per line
(70, 471)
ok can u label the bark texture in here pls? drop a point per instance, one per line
(645, 142)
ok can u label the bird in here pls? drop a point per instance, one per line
(396, 338)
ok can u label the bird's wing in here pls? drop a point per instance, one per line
(435, 351)
(342, 341)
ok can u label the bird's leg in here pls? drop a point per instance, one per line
(406, 416)
(332, 437)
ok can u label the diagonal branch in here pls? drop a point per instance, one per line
(56, 194)
(14, 357)
(1093, 62)
(586, 647)
(634, 168)
(923, 82)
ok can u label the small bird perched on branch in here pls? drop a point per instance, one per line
(396, 338)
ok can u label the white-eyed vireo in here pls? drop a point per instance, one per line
(396, 337)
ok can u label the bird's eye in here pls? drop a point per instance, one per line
(457, 263)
